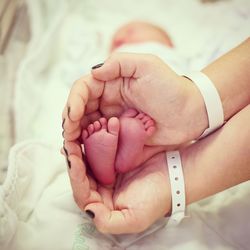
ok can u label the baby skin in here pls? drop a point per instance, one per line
(118, 145)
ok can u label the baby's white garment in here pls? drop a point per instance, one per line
(167, 54)
(37, 212)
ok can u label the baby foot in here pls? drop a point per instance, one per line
(135, 129)
(100, 142)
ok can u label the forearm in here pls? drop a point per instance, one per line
(231, 76)
(220, 161)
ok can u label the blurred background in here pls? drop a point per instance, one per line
(14, 37)
(46, 45)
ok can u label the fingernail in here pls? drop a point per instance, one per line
(90, 214)
(68, 111)
(67, 155)
(97, 66)
(63, 123)
(66, 151)
(68, 163)
(63, 133)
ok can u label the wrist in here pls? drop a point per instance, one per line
(194, 172)
(194, 110)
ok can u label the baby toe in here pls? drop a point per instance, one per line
(103, 122)
(149, 123)
(91, 129)
(113, 126)
(97, 125)
(140, 116)
(85, 134)
(150, 130)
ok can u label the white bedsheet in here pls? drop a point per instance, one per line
(37, 212)
(68, 37)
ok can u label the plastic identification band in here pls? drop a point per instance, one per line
(211, 99)
(177, 187)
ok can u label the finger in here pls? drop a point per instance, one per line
(77, 100)
(115, 221)
(70, 126)
(72, 136)
(123, 65)
(73, 148)
(79, 181)
(107, 196)
(83, 91)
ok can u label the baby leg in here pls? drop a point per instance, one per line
(135, 129)
(100, 143)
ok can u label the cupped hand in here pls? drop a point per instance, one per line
(145, 83)
(135, 202)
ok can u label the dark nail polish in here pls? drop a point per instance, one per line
(63, 133)
(97, 66)
(68, 111)
(68, 163)
(90, 214)
(63, 123)
(66, 151)
(67, 155)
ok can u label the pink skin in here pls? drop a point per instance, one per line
(107, 155)
(100, 143)
(139, 32)
(135, 129)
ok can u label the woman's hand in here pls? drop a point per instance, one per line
(145, 83)
(137, 200)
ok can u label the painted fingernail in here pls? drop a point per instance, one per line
(97, 66)
(90, 214)
(68, 111)
(66, 151)
(63, 133)
(63, 123)
(68, 163)
(67, 155)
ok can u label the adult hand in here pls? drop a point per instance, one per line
(145, 83)
(137, 200)
(143, 195)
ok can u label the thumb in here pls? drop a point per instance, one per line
(114, 221)
(123, 65)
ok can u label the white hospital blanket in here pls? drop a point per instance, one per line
(68, 37)
(37, 212)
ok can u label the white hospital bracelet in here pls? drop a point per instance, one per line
(211, 99)
(177, 187)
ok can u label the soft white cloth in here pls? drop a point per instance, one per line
(168, 55)
(37, 211)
